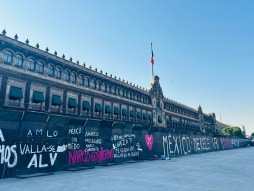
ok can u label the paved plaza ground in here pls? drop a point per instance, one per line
(215, 171)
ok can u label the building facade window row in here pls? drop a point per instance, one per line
(181, 123)
(181, 111)
(208, 119)
(67, 75)
(72, 103)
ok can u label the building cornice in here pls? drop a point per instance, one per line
(25, 72)
(179, 115)
(48, 55)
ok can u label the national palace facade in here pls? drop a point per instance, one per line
(32, 79)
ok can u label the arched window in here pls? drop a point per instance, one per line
(39, 67)
(138, 98)
(73, 77)
(121, 92)
(117, 91)
(7, 56)
(18, 60)
(67, 75)
(58, 73)
(81, 80)
(92, 84)
(135, 97)
(108, 88)
(31, 64)
(86, 82)
(131, 95)
(103, 87)
(127, 94)
(50, 70)
(98, 85)
(113, 90)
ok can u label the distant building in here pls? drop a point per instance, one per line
(36, 80)
(220, 127)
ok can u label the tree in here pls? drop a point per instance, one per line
(252, 134)
(233, 131)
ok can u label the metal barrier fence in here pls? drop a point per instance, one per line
(38, 142)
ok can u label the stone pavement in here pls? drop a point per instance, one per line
(229, 170)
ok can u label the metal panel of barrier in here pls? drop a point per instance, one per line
(132, 146)
(141, 133)
(55, 139)
(93, 143)
(154, 140)
(9, 137)
(118, 142)
(76, 153)
(106, 154)
(32, 147)
(125, 143)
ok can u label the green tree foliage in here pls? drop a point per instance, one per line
(252, 134)
(233, 131)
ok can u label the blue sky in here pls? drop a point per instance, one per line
(203, 49)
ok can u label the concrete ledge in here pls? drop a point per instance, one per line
(34, 175)
(110, 164)
(130, 161)
(80, 168)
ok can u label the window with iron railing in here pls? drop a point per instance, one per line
(18, 60)
(50, 70)
(31, 64)
(7, 56)
(39, 67)
(58, 73)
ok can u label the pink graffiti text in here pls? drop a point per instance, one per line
(227, 144)
(82, 156)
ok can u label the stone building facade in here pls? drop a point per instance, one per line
(32, 79)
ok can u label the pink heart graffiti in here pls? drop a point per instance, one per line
(149, 141)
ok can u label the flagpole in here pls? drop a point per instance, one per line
(152, 70)
(152, 61)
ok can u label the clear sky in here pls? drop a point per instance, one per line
(203, 49)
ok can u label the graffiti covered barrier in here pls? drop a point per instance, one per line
(33, 142)
(42, 143)
(184, 144)
(125, 143)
